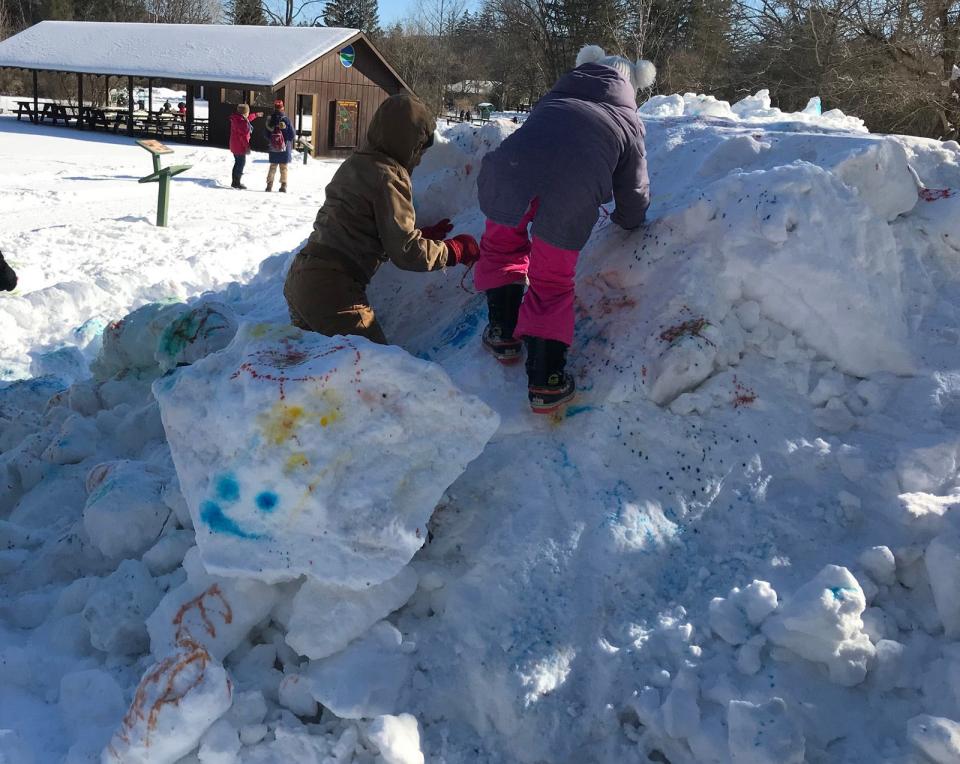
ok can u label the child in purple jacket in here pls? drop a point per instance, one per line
(582, 144)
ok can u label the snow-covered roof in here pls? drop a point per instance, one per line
(250, 55)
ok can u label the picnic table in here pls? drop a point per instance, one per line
(25, 108)
(96, 115)
(58, 111)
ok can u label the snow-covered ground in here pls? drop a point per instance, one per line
(740, 544)
(80, 232)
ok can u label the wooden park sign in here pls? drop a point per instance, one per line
(161, 175)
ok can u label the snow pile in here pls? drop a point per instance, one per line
(755, 109)
(739, 545)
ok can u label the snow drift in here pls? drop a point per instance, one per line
(740, 544)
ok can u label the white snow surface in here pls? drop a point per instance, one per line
(246, 55)
(740, 544)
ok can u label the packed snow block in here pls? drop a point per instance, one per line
(294, 694)
(929, 469)
(66, 363)
(217, 613)
(78, 439)
(131, 342)
(763, 734)
(397, 738)
(822, 623)
(304, 454)
(882, 177)
(116, 612)
(364, 680)
(174, 705)
(90, 699)
(942, 559)
(124, 512)
(195, 334)
(735, 617)
(326, 619)
(14, 749)
(936, 737)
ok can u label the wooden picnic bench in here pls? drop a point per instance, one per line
(25, 108)
(57, 112)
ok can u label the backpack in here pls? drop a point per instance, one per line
(277, 141)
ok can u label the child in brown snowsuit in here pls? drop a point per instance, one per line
(367, 219)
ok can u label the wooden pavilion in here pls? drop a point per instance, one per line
(332, 80)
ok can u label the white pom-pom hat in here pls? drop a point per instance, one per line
(641, 74)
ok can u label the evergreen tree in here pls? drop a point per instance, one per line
(246, 12)
(353, 14)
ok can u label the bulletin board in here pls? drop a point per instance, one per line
(346, 124)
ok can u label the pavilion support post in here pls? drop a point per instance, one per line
(79, 102)
(106, 90)
(150, 95)
(36, 97)
(129, 105)
(190, 106)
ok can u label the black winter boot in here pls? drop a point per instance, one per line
(548, 385)
(503, 306)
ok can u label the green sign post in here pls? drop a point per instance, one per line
(162, 176)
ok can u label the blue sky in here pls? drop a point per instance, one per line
(392, 11)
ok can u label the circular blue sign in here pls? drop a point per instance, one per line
(347, 55)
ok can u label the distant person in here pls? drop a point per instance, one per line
(367, 219)
(240, 130)
(8, 279)
(182, 110)
(280, 134)
(167, 107)
(582, 144)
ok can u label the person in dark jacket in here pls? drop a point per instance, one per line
(280, 135)
(8, 279)
(240, 130)
(367, 219)
(582, 144)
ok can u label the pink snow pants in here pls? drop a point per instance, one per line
(507, 256)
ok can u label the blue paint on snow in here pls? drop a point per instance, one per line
(228, 489)
(267, 501)
(212, 515)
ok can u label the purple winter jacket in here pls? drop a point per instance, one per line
(582, 143)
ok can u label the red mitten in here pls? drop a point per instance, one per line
(462, 249)
(437, 231)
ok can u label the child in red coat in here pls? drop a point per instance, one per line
(240, 130)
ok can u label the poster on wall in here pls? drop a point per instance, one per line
(346, 124)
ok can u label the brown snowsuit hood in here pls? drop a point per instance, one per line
(367, 217)
(402, 128)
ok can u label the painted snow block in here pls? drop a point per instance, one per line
(195, 334)
(124, 512)
(214, 612)
(326, 619)
(397, 738)
(822, 623)
(936, 737)
(177, 700)
(942, 560)
(763, 734)
(303, 454)
(363, 681)
(130, 343)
